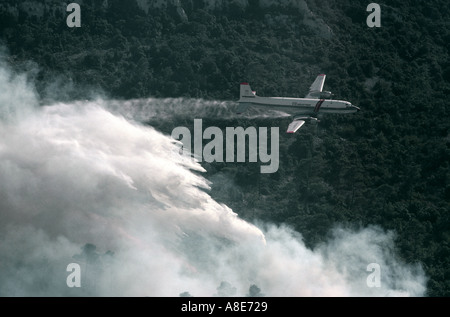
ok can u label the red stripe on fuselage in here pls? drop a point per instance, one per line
(318, 104)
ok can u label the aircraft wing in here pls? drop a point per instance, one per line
(316, 87)
(295, 125)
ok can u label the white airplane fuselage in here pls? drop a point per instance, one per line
(299, 106)
(302, 109)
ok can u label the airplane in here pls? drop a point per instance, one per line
(303, 109)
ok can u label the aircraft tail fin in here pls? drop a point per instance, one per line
(246, 91)
(246, 97)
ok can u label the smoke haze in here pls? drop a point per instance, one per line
(86, 183)
(146, 110)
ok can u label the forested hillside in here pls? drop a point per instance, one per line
(387, 165)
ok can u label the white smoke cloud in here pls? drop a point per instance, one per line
(74, 174)
(167, 109)
(20, 99)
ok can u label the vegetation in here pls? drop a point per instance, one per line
(387, 165)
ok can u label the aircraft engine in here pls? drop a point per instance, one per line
(325, 95)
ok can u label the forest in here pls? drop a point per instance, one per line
(387, 165)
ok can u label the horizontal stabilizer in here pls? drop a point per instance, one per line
(242, 107)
